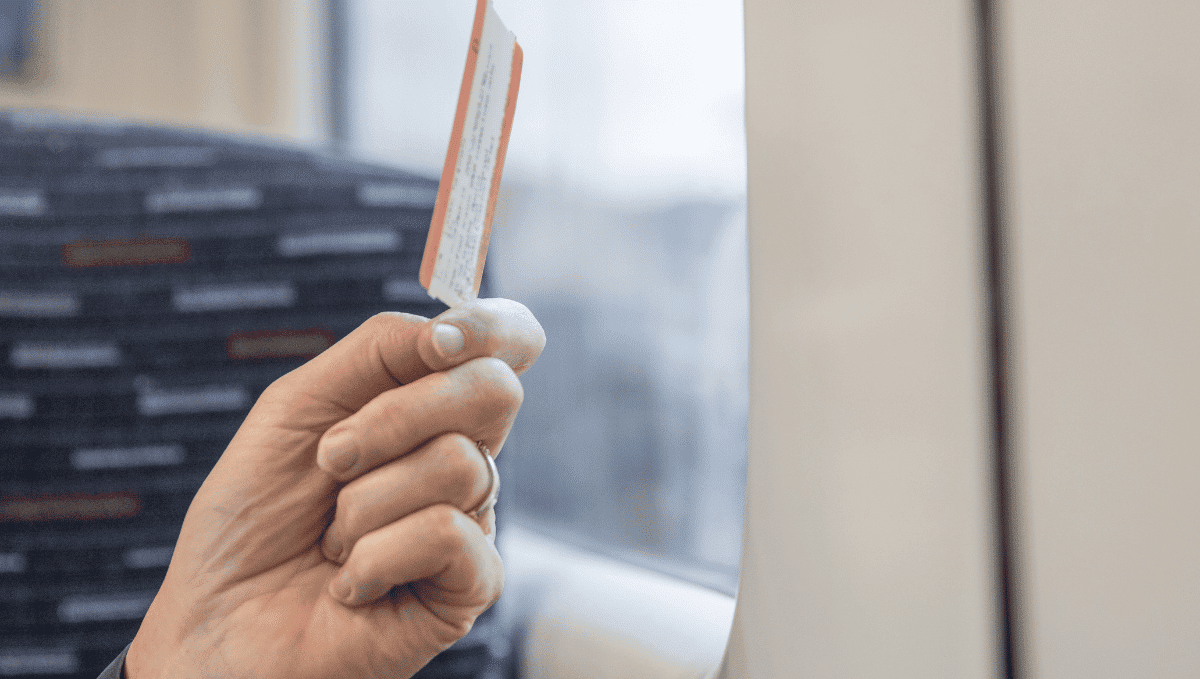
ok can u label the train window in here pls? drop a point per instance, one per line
(621, 224)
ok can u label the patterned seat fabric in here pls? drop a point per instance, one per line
(152, 282)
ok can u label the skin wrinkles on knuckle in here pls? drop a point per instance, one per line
(368, 557)
(380, 422)
(459, 466)
(381, 357)
(378, 328)
(394, 411)
(349, 515)
(385, 322)
(452, 628)
(445, 529)
(281, 387)
(493, 382)
(387, 332)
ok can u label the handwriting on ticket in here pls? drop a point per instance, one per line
(452, 268)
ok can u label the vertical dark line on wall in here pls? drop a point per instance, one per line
(338, 93)
(995, 269)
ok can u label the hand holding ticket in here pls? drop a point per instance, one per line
(452, 267)
(346, 532)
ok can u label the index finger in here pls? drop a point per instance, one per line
(393, 348)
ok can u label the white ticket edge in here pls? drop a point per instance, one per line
(452, 267)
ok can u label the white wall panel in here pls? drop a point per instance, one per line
(868, 544)
(1104, 157)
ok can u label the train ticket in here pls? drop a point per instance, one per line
(456, 247)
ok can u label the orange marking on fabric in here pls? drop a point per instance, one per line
(71, 507)
(278, 344)
(127, 253)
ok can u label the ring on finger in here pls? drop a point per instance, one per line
(493, 484)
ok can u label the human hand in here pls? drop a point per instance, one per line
(250, 591)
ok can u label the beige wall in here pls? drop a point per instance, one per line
(253, 66)
(1104, 157)
(867, 545)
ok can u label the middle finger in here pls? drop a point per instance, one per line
(479, 399)
(450, 469)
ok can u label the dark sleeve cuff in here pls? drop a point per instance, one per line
(116, 667)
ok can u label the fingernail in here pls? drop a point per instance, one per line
(338, 453)
(340, 588)
(448, 339)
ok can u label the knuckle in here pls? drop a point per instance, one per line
(445, 528)
(369, 554)
(378, 325)
(349, 512)
(515, 336)
(528, 330)
(497, 582)
(494, 377)
(385, 419)
(383, 321)
(459, 465)
(386, 327)
(281, 387)
(489, 577)
(386, 411)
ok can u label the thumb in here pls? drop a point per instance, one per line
(393, 348)
(496, 328)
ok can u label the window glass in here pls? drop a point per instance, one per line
(621, 224)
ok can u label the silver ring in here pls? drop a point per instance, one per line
(493, 487)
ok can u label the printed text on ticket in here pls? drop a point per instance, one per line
(462, 216)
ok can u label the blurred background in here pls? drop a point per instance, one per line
(621, 224)
(260, 172)
(198, 195)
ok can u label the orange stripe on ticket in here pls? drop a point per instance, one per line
(460, 117)
(127, 253)
(459, 231)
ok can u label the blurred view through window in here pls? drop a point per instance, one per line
(621, 224)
